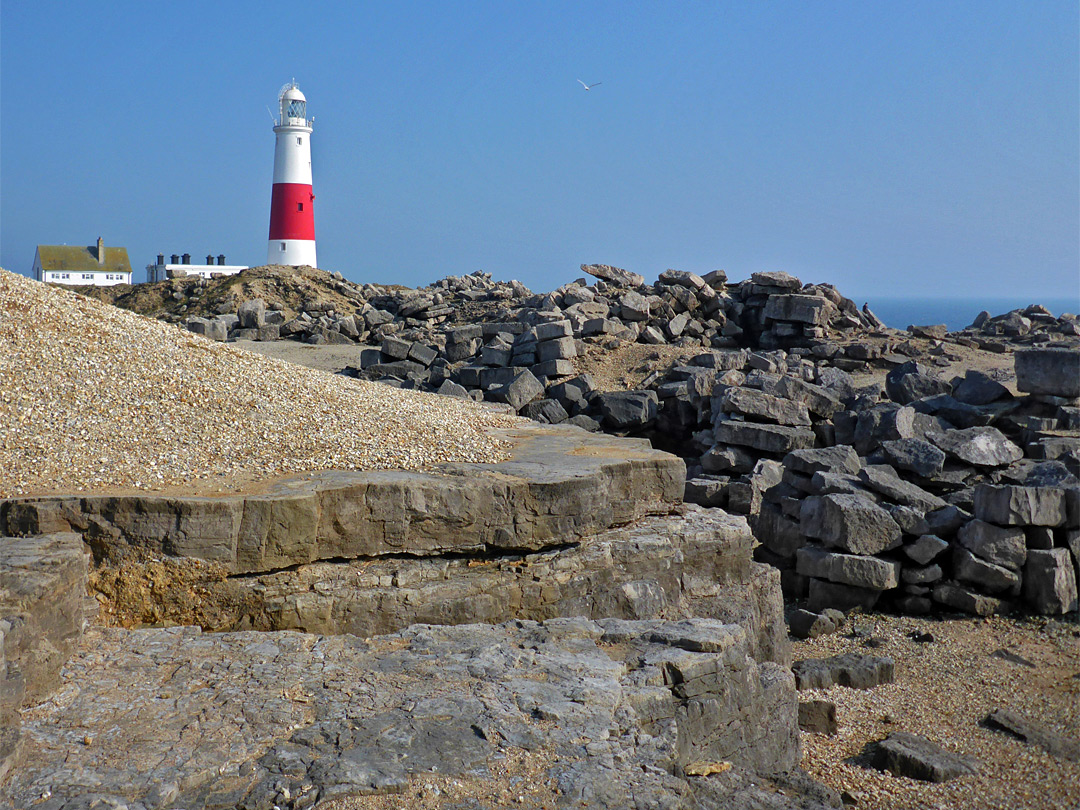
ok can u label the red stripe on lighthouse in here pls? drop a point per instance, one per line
(291, 212)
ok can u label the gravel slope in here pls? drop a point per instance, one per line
(97, 398)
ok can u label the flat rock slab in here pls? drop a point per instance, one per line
(905, 754)
(1057, 745)
(852, 670)
(177, 718)
(697, 563)
(559, 484)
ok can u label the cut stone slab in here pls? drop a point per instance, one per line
(1048, 371)
(809, 309)
(996, 544)
(821, 401)
(519, 392)
(824, 595)
(849, 569)
(853, 670)
(1050, 581)
(559, 484)
(906, 754)
(1057, 745)
(980, 446)
(766, 438)
(1009, 505)
(853, 523)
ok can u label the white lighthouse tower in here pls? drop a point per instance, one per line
(292, 220)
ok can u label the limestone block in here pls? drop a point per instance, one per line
(1010, 505)
(1050, 581)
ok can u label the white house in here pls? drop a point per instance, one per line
(70, 264)
(181, 266)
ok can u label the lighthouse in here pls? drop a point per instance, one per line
(292, 220)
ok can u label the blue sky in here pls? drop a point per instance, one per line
(890, 148)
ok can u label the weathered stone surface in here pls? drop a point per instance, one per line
(759, 405)
(839, 459)
(910, 381)
(905, 754)
(520, 391)
(925, 548)
(978, 388)
(853, 523)
(628, 410)
(1031, 732)
(989, 577)
(807, 624)
(613, 274)
(981, 446)
(694, 564)
(252, 313)
(1048, 371)
(1050, 581)
(559, 484)
(852, 670)
(849, 569)
(818, 717)
(177, 718)
(1009, 505)
(824, 595)
(884, 479)
(909, 519)
(820, 400)
(914, 455)
(956, 596)
(995, 544)
(766, 438)
(810, 309)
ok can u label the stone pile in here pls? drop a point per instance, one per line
(931, 492)
(1033, 325)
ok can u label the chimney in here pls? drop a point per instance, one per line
(209, 259)
(187, 258)
(160, 259)
(221, 259)
(175, 259)
(100, 252)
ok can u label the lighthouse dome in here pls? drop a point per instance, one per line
(293, 103)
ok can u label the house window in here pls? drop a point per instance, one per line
(299, 206)
(282, 247)
(88, 276)
(66, 275)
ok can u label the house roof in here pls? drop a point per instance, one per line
(75, 259)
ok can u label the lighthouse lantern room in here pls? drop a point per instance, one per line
(292, 220)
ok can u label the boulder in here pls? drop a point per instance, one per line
(905, 754)
(628, 410)
(910, 381)
(761, 406)
(838, 459)
(1048, 371)
(848, 569)
(978, 388)
(818, 716)
(1050, 581)
(882, 478)
(623, 278)
(520, 391)
(809, 309)
(995, 544)
(1010, 505)
(852, 670)
(925, 548)
(824, 595)
(987, 576)
(980, 446)
(252, 313)
(915, 456)
(853, 523)
(956, 596)
(766, 438)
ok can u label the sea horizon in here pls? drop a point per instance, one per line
(957, 313)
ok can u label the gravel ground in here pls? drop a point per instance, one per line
(944, 690)
(96, 398)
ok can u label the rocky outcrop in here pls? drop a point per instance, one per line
(559, 485)
(615, 714)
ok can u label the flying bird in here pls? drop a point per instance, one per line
(588, 86)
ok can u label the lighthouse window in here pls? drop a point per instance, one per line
(299, 141)
(283, 246)
(296, 109)
(299, 206)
